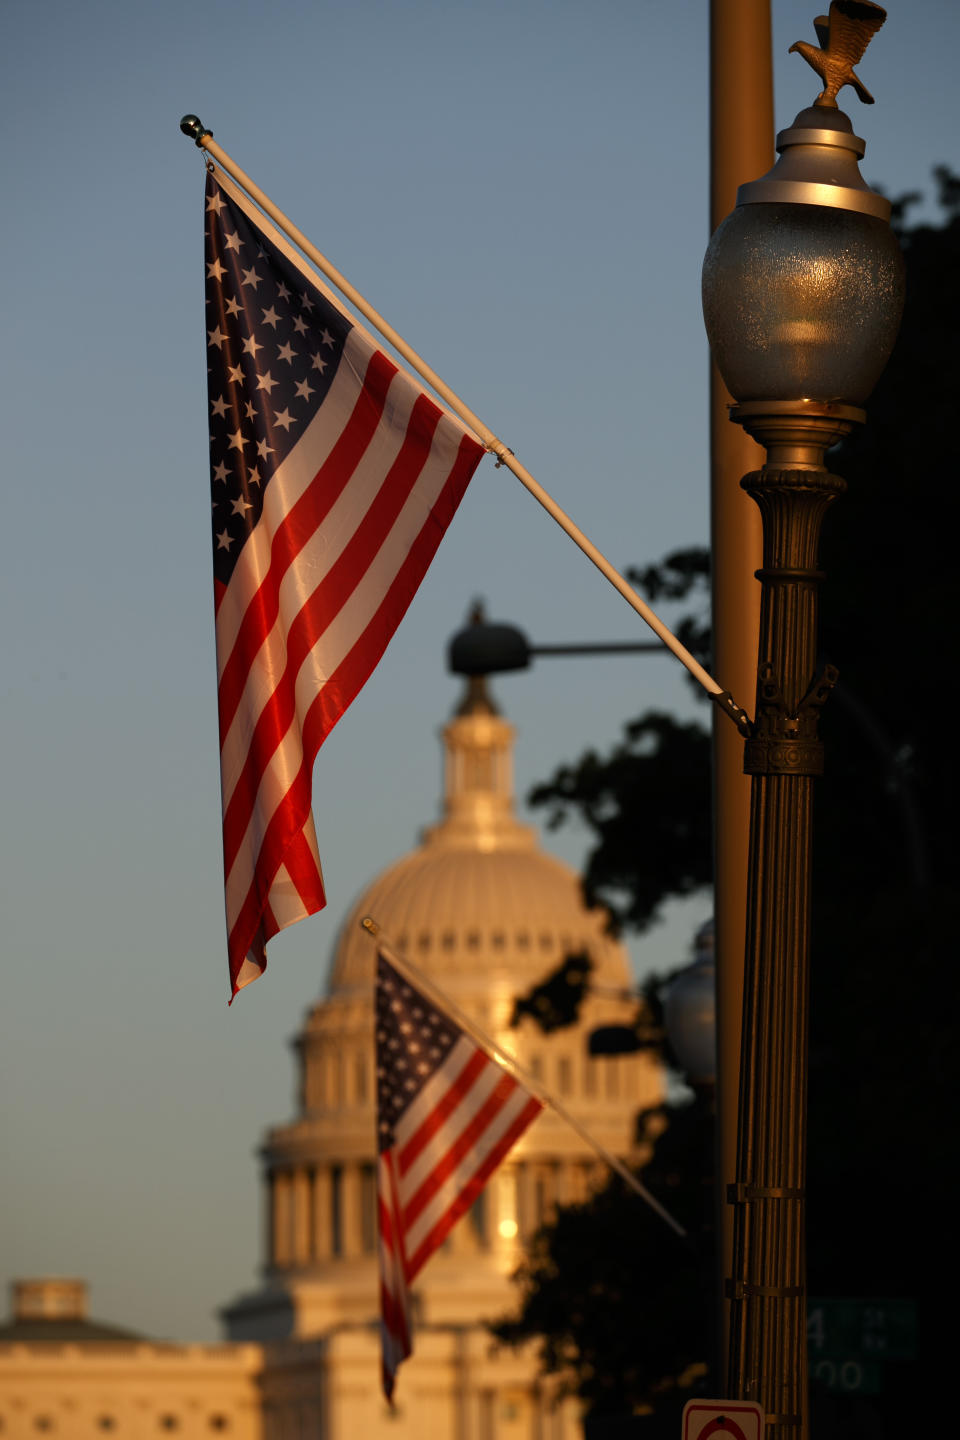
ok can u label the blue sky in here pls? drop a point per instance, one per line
(521, 188)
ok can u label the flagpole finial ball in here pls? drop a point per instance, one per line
(193, 126)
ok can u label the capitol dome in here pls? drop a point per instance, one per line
(484, 914)
(478, 900)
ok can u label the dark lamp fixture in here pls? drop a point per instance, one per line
(690, 1012)
(487, 648)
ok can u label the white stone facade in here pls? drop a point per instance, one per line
(89, 1380)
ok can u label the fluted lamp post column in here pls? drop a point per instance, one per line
(802, 295)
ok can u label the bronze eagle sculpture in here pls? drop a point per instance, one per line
(844, 35)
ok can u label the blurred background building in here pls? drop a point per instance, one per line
(481, 909)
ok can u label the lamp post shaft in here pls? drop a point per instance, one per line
(767, 1360)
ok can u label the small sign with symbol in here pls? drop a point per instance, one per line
(722, 1420)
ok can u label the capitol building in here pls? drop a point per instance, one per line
(486, 914)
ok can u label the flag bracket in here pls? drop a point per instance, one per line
(724, 701)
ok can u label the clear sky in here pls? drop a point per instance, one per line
(521, 188)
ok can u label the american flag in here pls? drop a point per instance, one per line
(447, 1114)
(333, 477)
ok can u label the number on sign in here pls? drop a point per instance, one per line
(847, 1376)
(815, 1328)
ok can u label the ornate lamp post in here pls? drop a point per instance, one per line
(802, 294)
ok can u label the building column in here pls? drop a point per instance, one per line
(322, 1209)
(300, 1206)
(505, 1209)
(268, 1218)
(280, 1209)
(565, 1193)
(526, 1208)
(350, 1211)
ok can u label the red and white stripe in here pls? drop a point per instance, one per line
(351, 521)
(447, 1144)
(396, 1340)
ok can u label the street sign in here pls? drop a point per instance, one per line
(722, 1420)
(848, 1339)
(862, 1329)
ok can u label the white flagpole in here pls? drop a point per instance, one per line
(193, 127)
(509, 1062)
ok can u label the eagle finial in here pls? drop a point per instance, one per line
(843, 36)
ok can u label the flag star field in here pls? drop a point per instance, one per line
(413, 1039)
(273, 349)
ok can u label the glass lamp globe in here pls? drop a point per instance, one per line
(690, 1009)
(803, 282)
